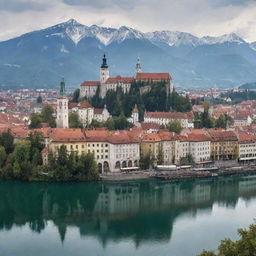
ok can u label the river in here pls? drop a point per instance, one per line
(128, 218)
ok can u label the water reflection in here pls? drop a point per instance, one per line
(142, 211)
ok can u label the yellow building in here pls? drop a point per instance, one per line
(163, 142)
(72, 139)
(150, 144)
(224, 145)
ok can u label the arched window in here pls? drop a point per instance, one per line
(118, 165)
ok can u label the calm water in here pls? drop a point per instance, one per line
(135, 218)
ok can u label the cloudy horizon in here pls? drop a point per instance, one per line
(198, 17)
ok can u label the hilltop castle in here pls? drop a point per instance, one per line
(88, 88)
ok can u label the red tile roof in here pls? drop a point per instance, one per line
(244, 137)
(148, 126)
(72, 105)
(222, 135)
(84, 104)
(119, 79)
(67, 135)
(168, 115)
(166, 135)
(96, 135)
(90, 83)
(198, 137)
(153, 76)
(122, 137)
(98, 111)
(44, 131)
(151, 137)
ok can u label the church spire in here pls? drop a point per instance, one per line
(104, 62)
(138, 66)
(62, 87)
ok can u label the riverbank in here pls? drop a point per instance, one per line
(178, 175)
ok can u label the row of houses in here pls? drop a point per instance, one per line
(114, 150)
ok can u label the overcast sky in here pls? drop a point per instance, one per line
(199, 17)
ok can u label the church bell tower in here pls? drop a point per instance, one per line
(62, 107)
(138, 66)
(104, 71)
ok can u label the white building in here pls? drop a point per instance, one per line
(124, 150)
(242, 120)
(101, 114)
(89, 88)
(164, 118)
(246, 146)
(199, 147)
(87, 113)
(135, 116)
(183, 147)
(62, 108)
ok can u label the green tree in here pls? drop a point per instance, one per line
(245, 246)
(174, 126)
(35, 121)
(110, 124)
(36, 140)
(39, 100)
(122, 123)
(7, 141)
(3, 156)
(22, 151)
(76, 95)
(22, 160)
(74, 121)
(160, 156)
(146, 161)
(188, 160)
(47, 116)
(16, 170)
(97, 124)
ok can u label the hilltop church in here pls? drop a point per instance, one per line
(88, 88)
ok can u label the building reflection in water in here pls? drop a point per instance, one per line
(142, 211)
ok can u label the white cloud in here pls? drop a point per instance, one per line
(199, 17)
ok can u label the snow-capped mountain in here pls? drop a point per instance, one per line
(227, 38)
(76, 32)
(74, 51)
(173, 38)
(253, 45)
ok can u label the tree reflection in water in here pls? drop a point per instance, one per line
(143, 211)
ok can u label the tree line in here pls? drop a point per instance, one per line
(147, 98)
(23, 161)
(46, 116)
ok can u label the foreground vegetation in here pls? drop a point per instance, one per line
(245, 246)
(23, 161)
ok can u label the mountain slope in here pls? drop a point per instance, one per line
(74, 51)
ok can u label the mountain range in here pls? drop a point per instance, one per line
(74, 51)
